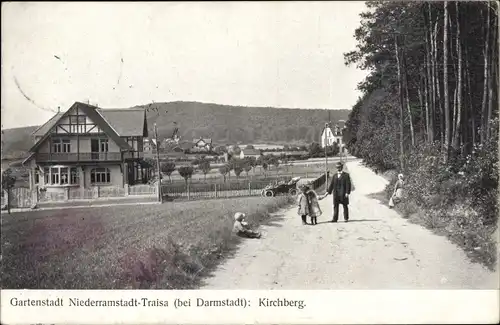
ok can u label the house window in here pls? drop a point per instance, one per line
(100, 176)
(132, 142)
(77, 123)
(77, 119)
(74, 177)
(61, 175)
(64, 177)
(66, 146)
(57, 145)
(103, 143)
(46, 175)
(37, 177)
(60, 145)
(74, 128)
(54, 176)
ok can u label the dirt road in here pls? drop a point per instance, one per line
(377, 249)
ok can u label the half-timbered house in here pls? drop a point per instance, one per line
(88, 146)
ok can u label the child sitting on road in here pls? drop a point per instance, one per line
(241, 227)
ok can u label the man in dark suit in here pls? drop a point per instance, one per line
(340, 187)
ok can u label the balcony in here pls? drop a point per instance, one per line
(78, 157)
(87, 156)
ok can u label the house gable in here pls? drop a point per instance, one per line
(327, 136)
(202, 142)
(79, 112)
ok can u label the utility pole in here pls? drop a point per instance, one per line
(326, 154)
(341, 154)
(158, 164)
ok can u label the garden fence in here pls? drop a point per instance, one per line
(26, 198)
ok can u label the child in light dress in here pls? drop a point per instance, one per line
(308, 205)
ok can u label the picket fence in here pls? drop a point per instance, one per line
(25, 198)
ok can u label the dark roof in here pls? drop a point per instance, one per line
(94, 115)
(126, 122)
(44, 128)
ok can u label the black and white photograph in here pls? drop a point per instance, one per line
(287, 145)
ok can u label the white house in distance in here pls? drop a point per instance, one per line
(330, 135)
(250, 153)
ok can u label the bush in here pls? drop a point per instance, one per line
(458, 197)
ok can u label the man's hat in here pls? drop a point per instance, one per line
(339, 164)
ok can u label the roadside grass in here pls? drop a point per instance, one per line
(168, 246)
(456, 222)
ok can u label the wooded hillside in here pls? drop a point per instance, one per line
(223, 123)
(231, 124)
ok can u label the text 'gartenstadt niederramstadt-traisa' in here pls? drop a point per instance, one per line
(148, 302)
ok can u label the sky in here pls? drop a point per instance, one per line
(117, 55)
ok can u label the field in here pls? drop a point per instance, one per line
(101, 248)
(297, 168)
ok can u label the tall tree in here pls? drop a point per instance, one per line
(458, 106)
(401, 110)
(407, 100)
(492, 66)
(484, 112)
(429, 89)
(445, 82)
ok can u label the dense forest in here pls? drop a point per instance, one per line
(232, 124)
(429, 109)
(223, 123)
